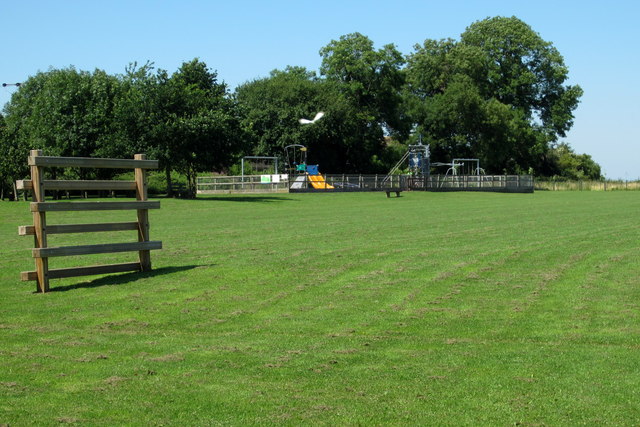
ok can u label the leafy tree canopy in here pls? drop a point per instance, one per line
(343, 140)
(186, 120)
(498, 94)
(569, 165)
(272, 106)
(371, 79)
(63, 112)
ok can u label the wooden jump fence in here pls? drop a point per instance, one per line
(40, 229)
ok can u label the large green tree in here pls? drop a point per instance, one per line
(370, 82)
(10, 169)
(64, 112)
(194, 124)
(187, 120)
(272, 106)
(372, 79)
(565, 163)
(499, 94)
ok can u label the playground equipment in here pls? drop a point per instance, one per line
(318, 182)
(296, 158)
(419, 164)
(261, 165)
(461, 172)
(303, 174)
(473, 166)
(309, 175)
(452, 167)
(468, 167)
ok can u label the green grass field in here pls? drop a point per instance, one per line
(337, 309)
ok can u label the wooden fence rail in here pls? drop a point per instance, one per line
(40, 229)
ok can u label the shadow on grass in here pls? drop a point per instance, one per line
(121, 279)
(245, 198)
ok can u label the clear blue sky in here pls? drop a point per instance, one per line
(243, 40)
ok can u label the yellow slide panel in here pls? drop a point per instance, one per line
(317, 181)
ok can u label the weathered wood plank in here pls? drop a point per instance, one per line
(28, 230)
(90, 162)
(39, 224)
(71, 185)
(60, 273)
(105, 248)
(92, 206)
(143, 214)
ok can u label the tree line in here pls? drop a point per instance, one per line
(499, 94)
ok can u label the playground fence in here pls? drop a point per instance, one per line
(353, 182)
(346, 182)
(501, 183)
(497, 183)
(242, 184)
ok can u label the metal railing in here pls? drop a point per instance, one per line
(366, 182)
(515, 183)
(511, 183)
(351, 182)
(242, 184)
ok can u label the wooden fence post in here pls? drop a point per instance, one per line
(40, 229)
(143, 214)
(39, 224)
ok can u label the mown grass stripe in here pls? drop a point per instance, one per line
(338, 309)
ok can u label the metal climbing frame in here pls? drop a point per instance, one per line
(419, 162)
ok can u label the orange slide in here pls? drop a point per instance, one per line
(317, 181)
